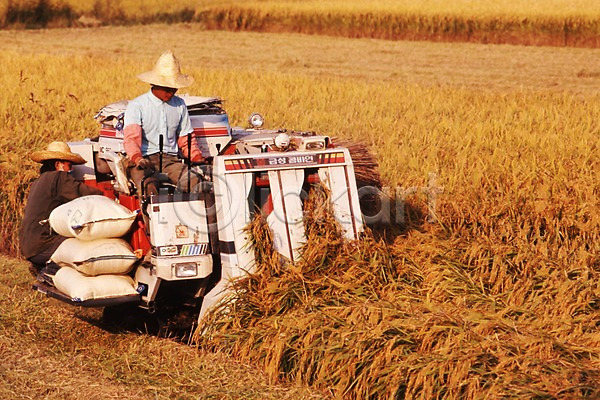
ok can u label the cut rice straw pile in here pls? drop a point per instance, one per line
(367, 320)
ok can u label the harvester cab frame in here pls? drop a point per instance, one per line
(191, 245)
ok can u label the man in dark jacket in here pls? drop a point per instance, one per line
(54, 187)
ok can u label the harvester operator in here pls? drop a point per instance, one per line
(54, 187)
(157, 113)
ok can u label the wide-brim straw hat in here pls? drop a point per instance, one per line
(167, 73)
(57, 151)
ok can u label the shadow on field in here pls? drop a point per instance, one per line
(173, 324)
(388, 220)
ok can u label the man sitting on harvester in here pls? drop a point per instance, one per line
(54, 187)
(158, 130)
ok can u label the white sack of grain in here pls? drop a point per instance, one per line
(80, 287)
(91, 217)
(95, 257)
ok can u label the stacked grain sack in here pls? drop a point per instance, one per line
(95, 259)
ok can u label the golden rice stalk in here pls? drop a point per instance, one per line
(365, 164)
(367, 322)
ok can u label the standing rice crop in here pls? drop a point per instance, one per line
(364, 322)
(560, 23)
(551, 22)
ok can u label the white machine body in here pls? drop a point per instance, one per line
(198, 240)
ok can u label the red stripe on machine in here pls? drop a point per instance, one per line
(108, 132)
(300, 160)
(204, 132)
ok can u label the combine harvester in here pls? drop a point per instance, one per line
(189, 246)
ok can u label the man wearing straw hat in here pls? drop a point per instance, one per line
(157, 113)
(55, 186)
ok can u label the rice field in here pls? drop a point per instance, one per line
(499, 298)
(531, 22)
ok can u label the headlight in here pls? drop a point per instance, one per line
(186, 270)
(256, 120)
(282, 140)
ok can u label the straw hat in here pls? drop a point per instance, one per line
(167, 73)
(57, 151)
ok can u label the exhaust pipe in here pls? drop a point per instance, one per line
(160, 153)
(189, 162)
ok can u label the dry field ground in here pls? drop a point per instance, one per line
(499, 299)
(459, 65)
(50, 351)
